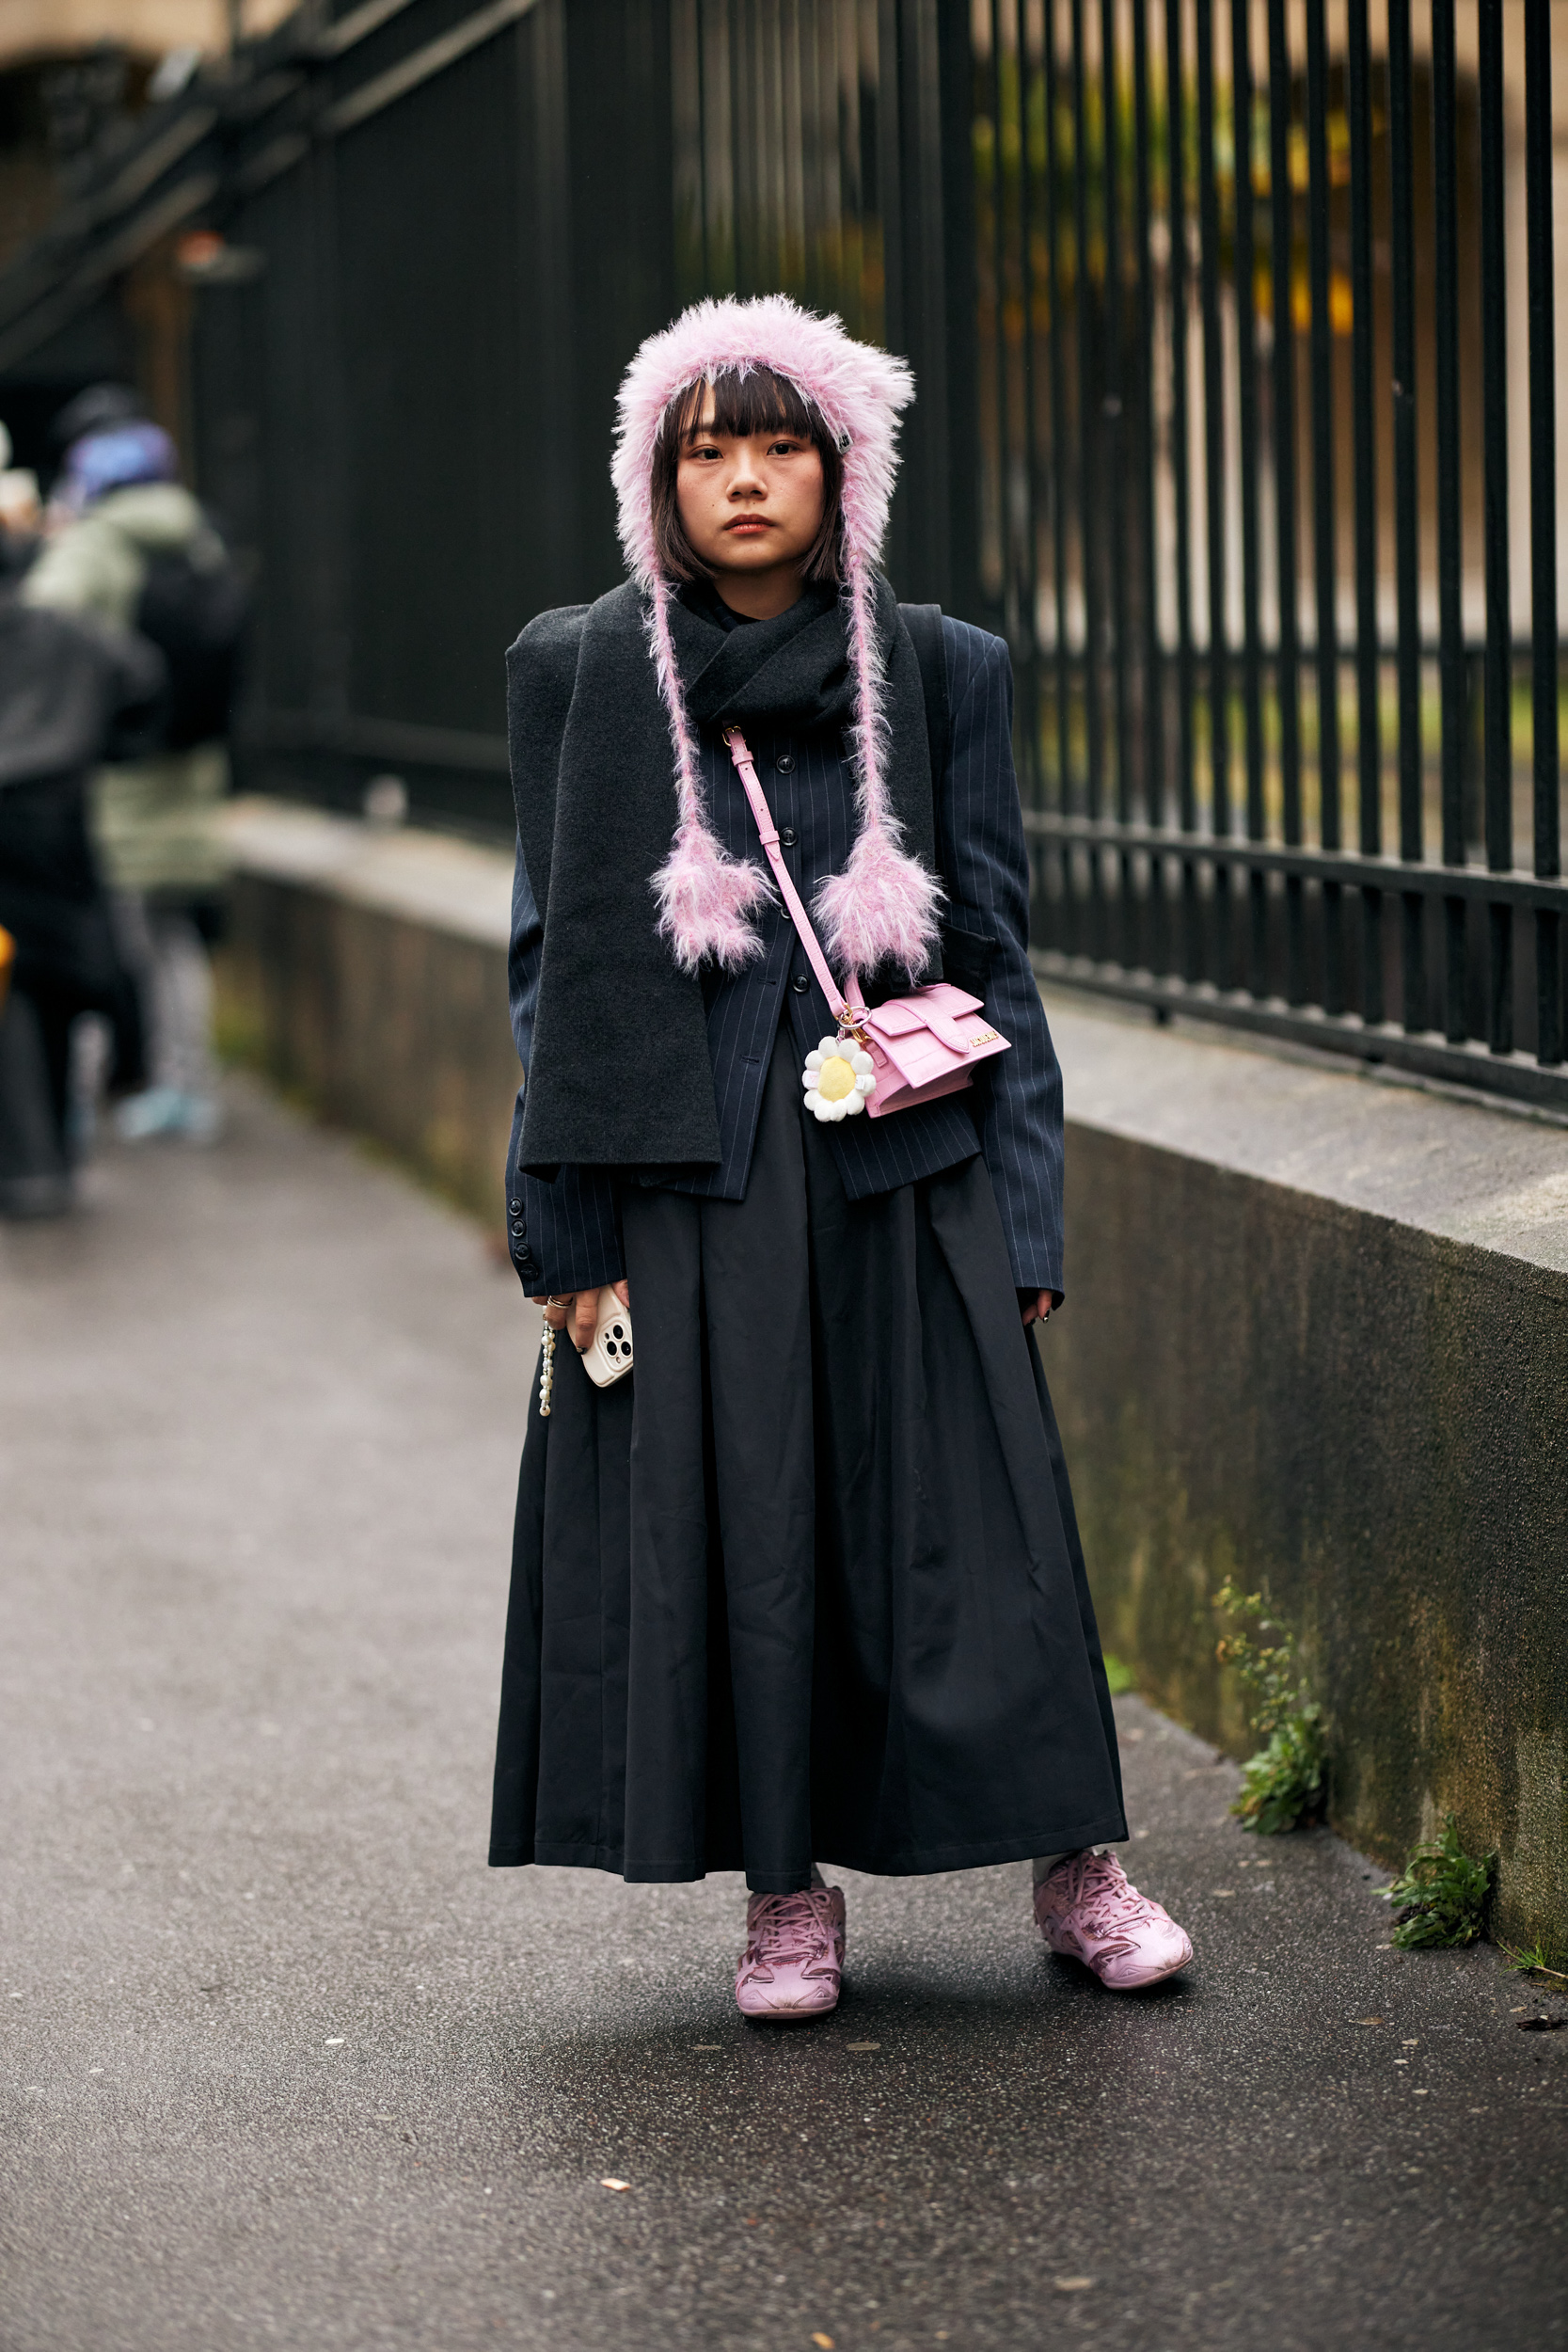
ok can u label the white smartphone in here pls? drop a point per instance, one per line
(608, 1356)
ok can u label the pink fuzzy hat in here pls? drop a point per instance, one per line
(883, 905)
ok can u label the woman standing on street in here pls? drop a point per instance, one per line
(806, 1586)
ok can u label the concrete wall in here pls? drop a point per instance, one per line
(1316, 1332)
(365, 973)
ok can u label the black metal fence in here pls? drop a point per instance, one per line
(1233, 323)
(1265, 308)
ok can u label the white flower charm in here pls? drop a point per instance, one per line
(838, 1077)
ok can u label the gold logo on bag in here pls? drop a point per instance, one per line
(985, 1037)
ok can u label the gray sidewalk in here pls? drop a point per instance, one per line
(283, 2065)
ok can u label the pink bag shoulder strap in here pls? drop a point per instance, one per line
(848, 1008)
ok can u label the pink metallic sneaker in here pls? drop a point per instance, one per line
(794, 1954)
(1086, 1909)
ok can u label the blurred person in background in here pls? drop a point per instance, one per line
(21, 513)
(96, 410)
(134, 549)
(73, 693)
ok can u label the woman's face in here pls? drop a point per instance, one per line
(752, 507)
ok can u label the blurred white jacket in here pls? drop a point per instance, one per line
(156, 820)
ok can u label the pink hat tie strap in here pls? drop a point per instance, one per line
(848, 1009)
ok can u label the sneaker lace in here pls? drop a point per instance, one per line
(1109, 1907)
(786, 1927)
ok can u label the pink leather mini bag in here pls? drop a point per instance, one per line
(920, 1046)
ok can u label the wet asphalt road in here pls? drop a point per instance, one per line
(282, 2064)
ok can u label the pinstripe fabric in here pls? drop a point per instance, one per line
(986, 864)
(564, 1234)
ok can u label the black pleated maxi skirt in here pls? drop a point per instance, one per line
(807, 1586)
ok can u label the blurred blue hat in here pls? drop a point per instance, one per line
(116, 459)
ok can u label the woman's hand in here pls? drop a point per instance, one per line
(1035, 1306)
(577, 1312)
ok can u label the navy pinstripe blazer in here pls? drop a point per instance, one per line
(564, 1236)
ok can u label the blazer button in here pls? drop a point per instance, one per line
(786, 763)
(787, 836)
(801, 983)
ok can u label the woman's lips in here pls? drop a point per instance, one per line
(750, 524)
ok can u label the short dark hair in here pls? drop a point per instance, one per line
(757, 402)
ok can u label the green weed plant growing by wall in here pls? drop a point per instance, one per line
(1538, 1961)
(1282, 1785)
(1441, 1895)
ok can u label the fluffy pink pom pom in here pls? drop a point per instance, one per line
(883, 904)
(706, 898)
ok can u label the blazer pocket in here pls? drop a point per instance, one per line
(967, 958)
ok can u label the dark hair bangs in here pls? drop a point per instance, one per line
(757, 402)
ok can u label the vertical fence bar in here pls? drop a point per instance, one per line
(1176, 214)
(1218, 696)
(819, 41)
(999, 270)
(1007, 534)
(1450, 619)
(1288, 658)
(1153, 695)
(1325, 554)
(1499, 692)
(1402, 209)
(1058, 435)
(804, 243)
(1116, 443)
(1369, 747)
(1088, 476)
(1246, 429)
(744, 144)
(1542, 490)
(1110, 396)
(704, 230)
(1029, 633)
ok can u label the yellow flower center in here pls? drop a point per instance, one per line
(835, 1079)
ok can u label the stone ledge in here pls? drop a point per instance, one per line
(1490, 1177)
(456, 886)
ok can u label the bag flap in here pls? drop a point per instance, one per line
(897, 1018)
(902, 1015)
(945, 998)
